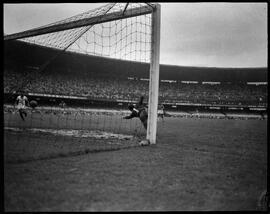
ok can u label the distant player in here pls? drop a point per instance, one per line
(21, 103)
(139, 111)
(161, 112)
(62, 104)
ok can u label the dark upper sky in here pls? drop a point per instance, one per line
(192, 34)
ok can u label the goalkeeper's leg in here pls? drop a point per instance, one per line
(143, 118)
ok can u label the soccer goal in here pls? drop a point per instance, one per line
(116, 41)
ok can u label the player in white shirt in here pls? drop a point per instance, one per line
(161, 111)
(21, 103)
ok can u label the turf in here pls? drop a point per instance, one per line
(197, 164)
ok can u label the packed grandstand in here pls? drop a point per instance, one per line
(98, 78)
(121, 89)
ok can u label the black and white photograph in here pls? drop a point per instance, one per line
(135, 106)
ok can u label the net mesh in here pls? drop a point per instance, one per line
(127, 39)
(70, 128)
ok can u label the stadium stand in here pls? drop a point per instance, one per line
(125, 89)
(91, 77)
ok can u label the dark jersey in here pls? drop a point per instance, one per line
(137, 110)
(134, 113)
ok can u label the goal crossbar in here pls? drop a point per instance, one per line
(81, 23)
(148, 8)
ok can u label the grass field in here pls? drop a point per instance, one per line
(197, 164)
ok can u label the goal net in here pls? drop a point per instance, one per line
(84, 72)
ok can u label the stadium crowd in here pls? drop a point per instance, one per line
(126, 89)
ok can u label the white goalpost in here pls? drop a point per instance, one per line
(154, 76)
(116, 30)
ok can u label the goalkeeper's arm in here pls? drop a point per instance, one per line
(133, 114)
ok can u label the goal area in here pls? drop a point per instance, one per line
(84, 72)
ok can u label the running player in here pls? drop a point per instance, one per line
(21, 103)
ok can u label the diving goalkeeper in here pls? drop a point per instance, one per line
(140, 111)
